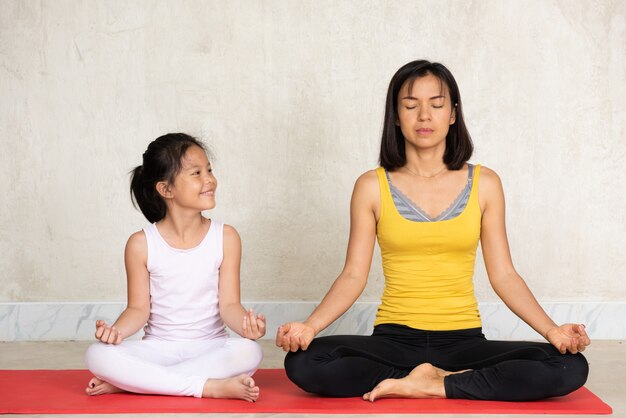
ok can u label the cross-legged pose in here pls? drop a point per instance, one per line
(429, 208)
(183, 285)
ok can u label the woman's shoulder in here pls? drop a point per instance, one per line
(489, 187)
(488, 176)
(368, 179)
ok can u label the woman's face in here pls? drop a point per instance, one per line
(425, 113)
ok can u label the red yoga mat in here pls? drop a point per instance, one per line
(63, 392)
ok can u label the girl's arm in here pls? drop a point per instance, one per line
(506, 282)
(232, 312)
(137, 311)
(350, 284)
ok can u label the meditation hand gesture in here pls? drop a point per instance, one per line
(107, 334)
(294, 335)
(253, 326)
(568, 337)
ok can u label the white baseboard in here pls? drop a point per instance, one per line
(50, 321)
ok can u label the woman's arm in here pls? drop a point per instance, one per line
(232, 312)
(506, 282)
(350, 283)
(137, 310)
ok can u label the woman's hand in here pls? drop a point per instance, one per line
(568, 337)
(253, 326)
(294, 335)
(107, 334)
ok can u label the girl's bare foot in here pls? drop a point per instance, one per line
(424, 381)
(237, 387)
(100, 387)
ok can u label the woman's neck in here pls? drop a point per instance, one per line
(425, 162)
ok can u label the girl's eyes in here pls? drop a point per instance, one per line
(197, 172)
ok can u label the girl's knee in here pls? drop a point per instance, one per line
(251, 351)
(96, 357)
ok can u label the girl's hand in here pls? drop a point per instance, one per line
(253, 326)
(107, 334)
(568, 337)
(294, 335)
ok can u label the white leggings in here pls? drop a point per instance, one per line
(178, 368)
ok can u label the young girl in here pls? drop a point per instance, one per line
(183, 281)
(429, 209)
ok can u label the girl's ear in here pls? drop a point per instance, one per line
(164, 189)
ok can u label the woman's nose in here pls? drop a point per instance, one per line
(423, 113)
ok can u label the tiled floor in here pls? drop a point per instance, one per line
(607, 378)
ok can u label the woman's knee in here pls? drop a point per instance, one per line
(576, 371)
(300, 369)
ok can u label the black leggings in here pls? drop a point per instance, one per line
(347, 366)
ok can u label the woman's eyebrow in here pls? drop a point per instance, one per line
(415, 98)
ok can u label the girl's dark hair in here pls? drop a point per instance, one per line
(162, 161)
(459, 145)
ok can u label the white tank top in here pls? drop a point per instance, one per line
(183, 287)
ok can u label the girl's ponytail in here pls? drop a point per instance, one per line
(144, 195)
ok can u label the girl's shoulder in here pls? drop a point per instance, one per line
(231, 234)
(137, 238)
(137, 244)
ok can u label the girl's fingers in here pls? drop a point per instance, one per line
(105, 334)
(253, 324)
(112, 335)
(261, 324)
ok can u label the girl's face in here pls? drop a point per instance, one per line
(425, 113)
(194, 186)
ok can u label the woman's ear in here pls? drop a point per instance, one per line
(164, 189)
(453, 114)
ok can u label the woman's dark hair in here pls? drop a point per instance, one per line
(162, 161)
(459, 145)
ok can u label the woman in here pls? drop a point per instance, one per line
(428, 209)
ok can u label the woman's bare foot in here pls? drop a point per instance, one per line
(237, 387)
(100, 387)
(424, 381)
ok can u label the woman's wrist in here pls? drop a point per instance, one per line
(315, 327)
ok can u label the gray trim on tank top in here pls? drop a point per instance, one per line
(409, 210)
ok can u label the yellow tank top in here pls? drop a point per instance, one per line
(428, 266)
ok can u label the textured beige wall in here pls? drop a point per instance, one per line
(290, 97)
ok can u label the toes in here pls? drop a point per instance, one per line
(373, 394)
